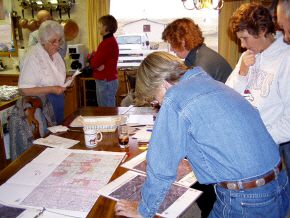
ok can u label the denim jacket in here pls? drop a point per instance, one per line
(219, 132)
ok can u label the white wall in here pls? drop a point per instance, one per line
(137, 27)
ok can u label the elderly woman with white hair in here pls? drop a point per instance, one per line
(42, 70)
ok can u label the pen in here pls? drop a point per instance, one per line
(40, 213)
(137, 125)
(124, 158)
(129, 108)
(75, 130)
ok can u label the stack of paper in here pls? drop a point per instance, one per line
(56, 142)
(143, 134)
(144, 119)
(59, 128)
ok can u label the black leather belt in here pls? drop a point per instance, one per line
(270, 176)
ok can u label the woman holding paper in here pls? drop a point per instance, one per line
(42, 70)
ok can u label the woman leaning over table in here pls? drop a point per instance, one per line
(42, 70)
(195, 117)
(104, 63)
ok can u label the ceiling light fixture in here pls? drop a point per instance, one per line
(200, 4)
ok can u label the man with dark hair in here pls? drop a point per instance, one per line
(262, 74)
(283, 18)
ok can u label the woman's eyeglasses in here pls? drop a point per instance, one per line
(55, 41)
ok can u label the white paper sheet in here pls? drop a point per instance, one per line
(69, 81)
(140, 119)
(128, 186)
(62, 181)
(59, 128)
(143, 134)
(56, 142)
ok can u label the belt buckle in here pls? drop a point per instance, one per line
(276, 171)
(260, 182)
(232, 185)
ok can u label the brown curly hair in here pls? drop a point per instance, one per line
(183, 29)
(252, 17)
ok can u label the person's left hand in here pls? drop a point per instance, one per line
(127, 208)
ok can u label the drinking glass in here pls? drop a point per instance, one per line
(123, 136)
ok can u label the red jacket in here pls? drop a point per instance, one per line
(107, 55)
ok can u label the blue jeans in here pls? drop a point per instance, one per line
(57, 102)
(285, 153)
(106, 92)
(270, 200)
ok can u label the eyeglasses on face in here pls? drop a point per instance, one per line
(55, 41)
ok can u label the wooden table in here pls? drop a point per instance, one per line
(103, 207)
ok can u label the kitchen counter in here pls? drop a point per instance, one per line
(8, 72)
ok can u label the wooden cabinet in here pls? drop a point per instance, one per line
(9, 79)
(87, 90)
(71, 102)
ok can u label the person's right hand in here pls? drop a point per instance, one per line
(100, 68)
(127, 208)
(248, 60)
(58, 90)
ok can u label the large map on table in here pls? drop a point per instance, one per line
(62, 179)
(73, 184)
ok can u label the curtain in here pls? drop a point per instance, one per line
(95, 9)
(228, 45)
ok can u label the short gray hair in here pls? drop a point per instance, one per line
(154, 69)
(286, 7)
(49, 29)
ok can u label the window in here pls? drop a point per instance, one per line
(150, 17)
(146, 28)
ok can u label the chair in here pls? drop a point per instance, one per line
(28, 121)
(129, 76)
(32, 107)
